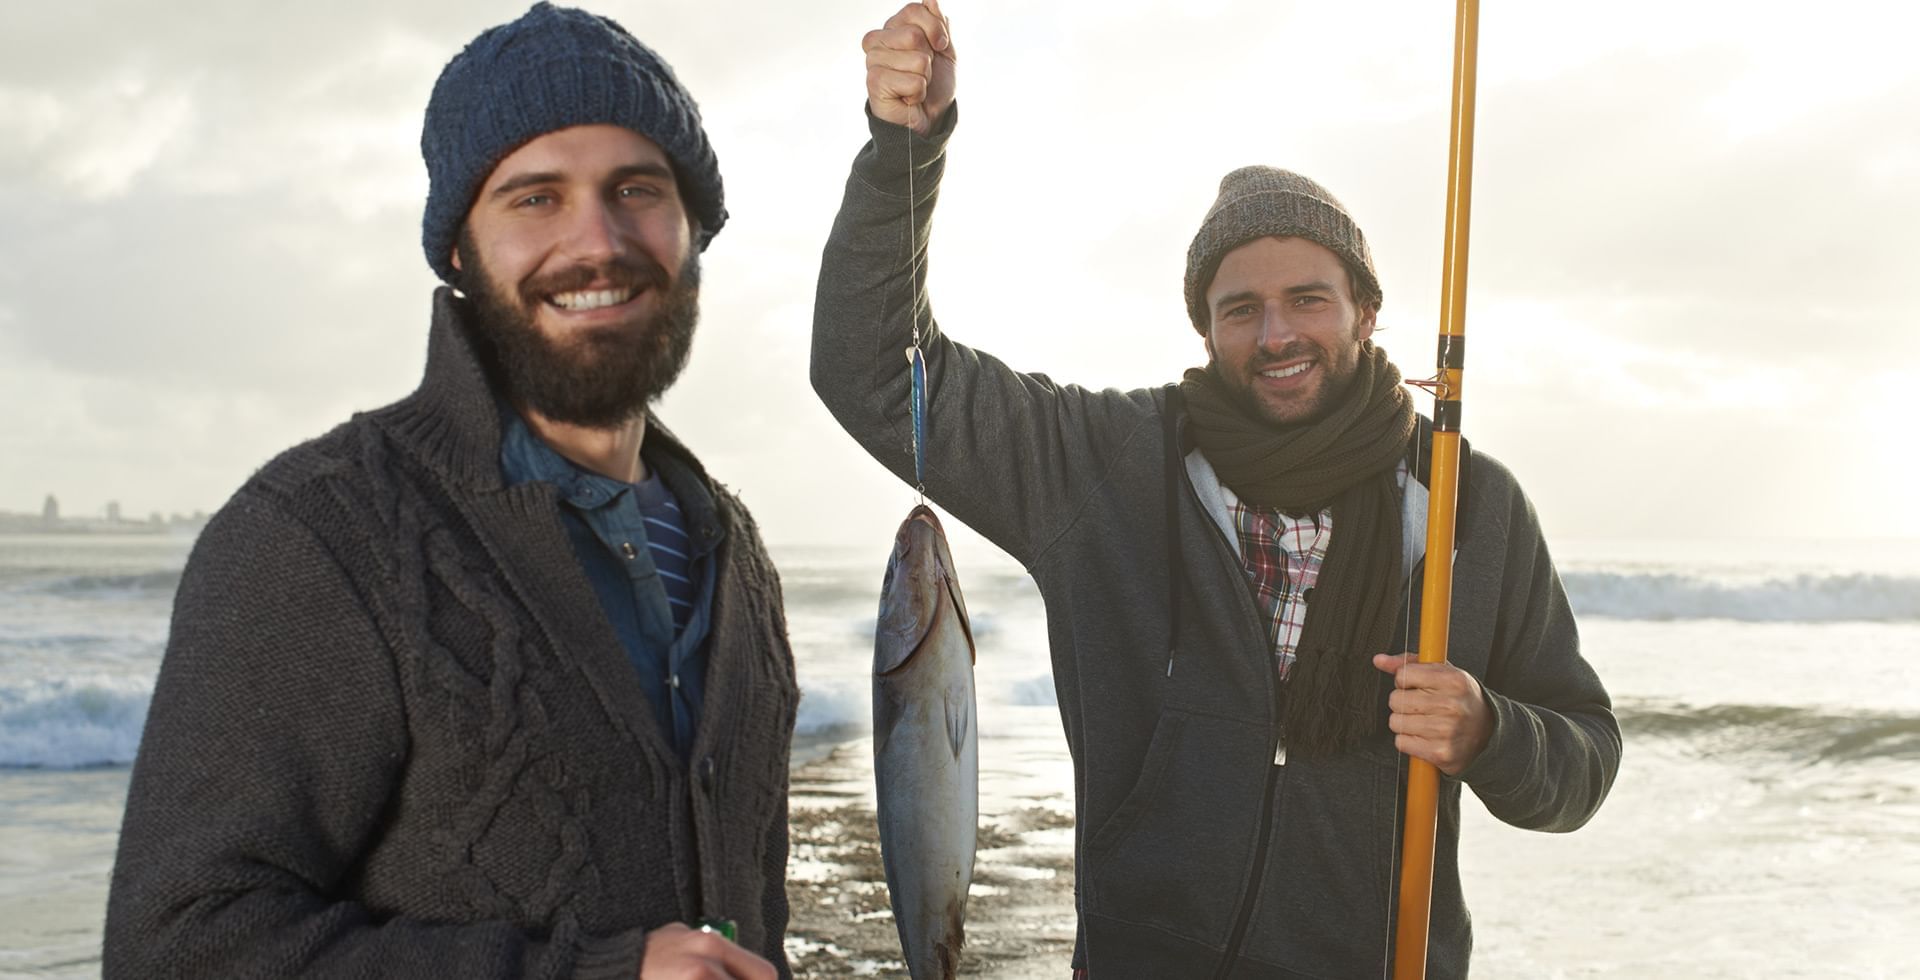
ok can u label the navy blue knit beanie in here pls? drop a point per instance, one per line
(553, 68)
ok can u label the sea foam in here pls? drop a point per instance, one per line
(132, 585)
(1806, 734)
(71, 722)
(1806, 598)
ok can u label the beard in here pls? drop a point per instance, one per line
(601, 378)
(1339, 365)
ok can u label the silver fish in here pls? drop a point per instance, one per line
(926, 757)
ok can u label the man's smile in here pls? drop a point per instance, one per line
(596, 298)
(592, 299)
(1286, 371)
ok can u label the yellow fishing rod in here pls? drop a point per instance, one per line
(1436, 603)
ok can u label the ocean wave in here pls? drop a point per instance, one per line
(1612, 593)
(129, 585)
(831, 708)
(72, 722)
(820, 592)
(1035, 691)
(829, 588)
(76, 722)
(983, 625)
(1808, 735)
(1799, 599)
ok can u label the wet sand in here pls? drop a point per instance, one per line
(1020, 922)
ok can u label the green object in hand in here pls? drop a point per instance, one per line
(724, 927)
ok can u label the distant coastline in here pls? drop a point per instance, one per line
(13, 524)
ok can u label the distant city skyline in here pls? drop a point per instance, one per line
(54, 516)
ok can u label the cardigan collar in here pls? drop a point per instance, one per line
(452, 421)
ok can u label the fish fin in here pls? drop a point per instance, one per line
(966, 621)
(959, 722)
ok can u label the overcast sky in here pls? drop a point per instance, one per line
(1695, 232)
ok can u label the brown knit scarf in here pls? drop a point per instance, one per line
(1345, 458)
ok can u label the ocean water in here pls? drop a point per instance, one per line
(1766, 820)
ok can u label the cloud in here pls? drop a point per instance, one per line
(1588, 192)
(1684, 225)
(174, 293)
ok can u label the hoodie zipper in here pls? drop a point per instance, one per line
(1257, 869)
(1256, 876)
(1257, 872)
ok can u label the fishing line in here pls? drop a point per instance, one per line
(1389, 896)
(916, 358)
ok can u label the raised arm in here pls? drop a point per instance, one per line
(1013, 455)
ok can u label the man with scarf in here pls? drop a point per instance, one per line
(1226, 565)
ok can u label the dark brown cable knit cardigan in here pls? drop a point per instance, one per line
(394, 735)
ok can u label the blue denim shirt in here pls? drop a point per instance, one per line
(603, 520)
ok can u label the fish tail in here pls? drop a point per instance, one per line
(948, 957)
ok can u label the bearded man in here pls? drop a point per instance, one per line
(1225, 564)
(493, 681)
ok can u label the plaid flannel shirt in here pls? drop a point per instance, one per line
(1283, 555)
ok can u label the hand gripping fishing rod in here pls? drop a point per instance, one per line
(1423, 780)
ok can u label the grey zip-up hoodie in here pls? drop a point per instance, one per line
(1185, 826)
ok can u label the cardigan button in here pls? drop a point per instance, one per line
(706, 774)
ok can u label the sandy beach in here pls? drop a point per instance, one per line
(1020, 922)
(1019, 912)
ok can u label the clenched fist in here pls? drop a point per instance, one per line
(910, 67)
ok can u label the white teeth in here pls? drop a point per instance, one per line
(1287, 372)
(592, 299)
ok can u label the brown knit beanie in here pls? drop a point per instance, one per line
(1265, 202)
